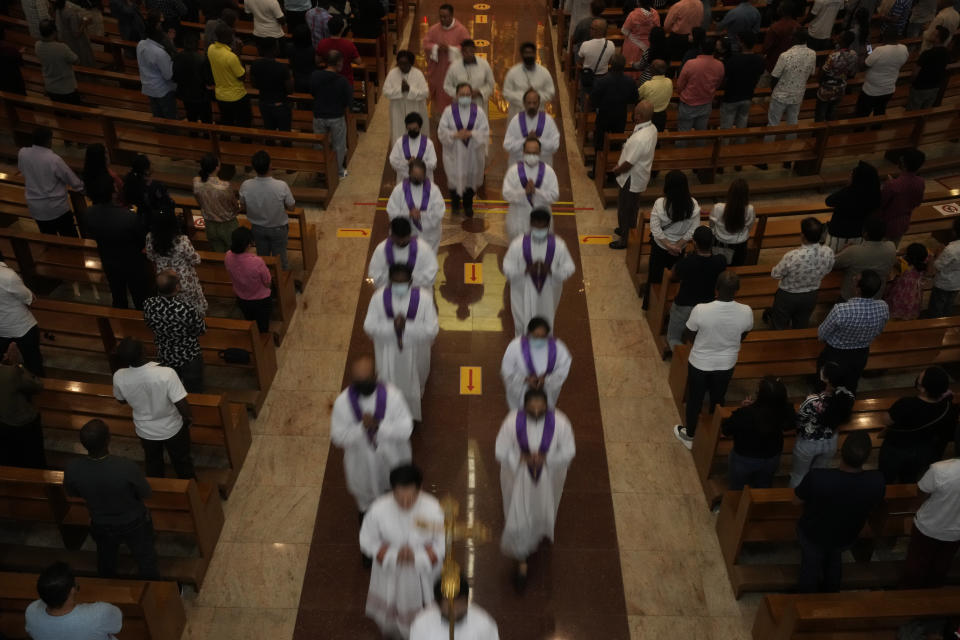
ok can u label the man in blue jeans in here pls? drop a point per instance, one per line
(266, 202)
(332, 96)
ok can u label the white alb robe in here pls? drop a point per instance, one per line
(401, 164)
(424, 269)
(530, 506)
(479, 76)
(514, 138)
(463, 163)
(513, 370)
(407, 368)
(398, 593)
(519, 79)
(518, 213)
(525, 301)
(403, 103)
(367, 465)
(476, 625)
(431, 218)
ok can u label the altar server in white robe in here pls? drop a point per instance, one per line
(472, 70)
(403, 248)
(372, 424)
(463, 131)
(420, 201)
(403, 533)
(406, 89)
(524, 76)
(534, 448)
(535, 122)
(470, 622)
(536, 264)
(535, 361)
(413, 145)
(528, 184)
(402, 322)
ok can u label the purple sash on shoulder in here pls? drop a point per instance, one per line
(411, 308)
(549, 426)
(522, 172)
(528, 358)
(411, 257)
(379, 411)
(539, 281)
(541, 121)
(455, 112)
(424, 200)
(420, 151)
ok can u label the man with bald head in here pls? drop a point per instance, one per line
(658, 90)
(594, 55)
(372, 424)
(176, 326)
(633, 171)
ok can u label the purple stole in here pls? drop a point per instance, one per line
(420, 152)
(539, 280)
(528, 358)
(411, 257)
(378, 413)
(411, 308)
(541, 121)
(522, 172)
(455, 112)
(424, 200)
(549, 426)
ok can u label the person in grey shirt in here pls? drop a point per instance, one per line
(874, 254)
(57, 615)
(266, 202)
(56, 65)
(47, 178)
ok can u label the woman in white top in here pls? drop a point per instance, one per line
(731, 223)
(673, 219)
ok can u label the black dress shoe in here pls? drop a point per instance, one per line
(618, 244)
(618, 231)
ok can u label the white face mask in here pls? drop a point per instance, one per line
(464, 101)
(539, 234)
(531, 159)
(538, 343)
(400, 289)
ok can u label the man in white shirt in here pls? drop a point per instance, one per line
(406, 89)
(880, 81)
(633, 171)
(716, 329)
(473, 70)
(532, 121)
(403, 248)
(470, 622)
(268, 20)
(420, 201)
(528, 184)
(821, 17)
(161, 413)
(790, 74)
(936, 528)
(57, 615)
(17, 324)
(413, 144)
(596, 52)
(524, 76)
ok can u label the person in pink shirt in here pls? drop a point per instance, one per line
(680, 21)
(698, 83)
(441, 46)
(636, 31)
(250, 279)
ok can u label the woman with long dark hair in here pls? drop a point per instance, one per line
(168, 248)
(96, 165)
(818, 419)
(757, 431)
(673, 219)
(140, 190)
(731, 222)
(852, 204)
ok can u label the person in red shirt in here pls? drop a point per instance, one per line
(779, 36)
(336, 42)
(697, 85)
(901, 195)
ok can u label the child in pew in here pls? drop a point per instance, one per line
(57, 614)
(818, 419)
(905, 293)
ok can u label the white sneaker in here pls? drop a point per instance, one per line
(681, 433)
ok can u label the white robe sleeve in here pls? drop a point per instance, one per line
(397, 160)
(433, 216)
(512, 140)
(549, 191)
(512, 191)
(418, 86)
(513, 369)
(566, 448)
(391, 85)
(371, 540)
(377, 325)
(429, 156)
(425, 325)
(507, 447)
(450, 81)
(514, 85)
(481, 129)
(344, 432)
(446, 128)
(397, 423)
(421, 561)
(553, 382)
(379, 270)
(397, 203)
(544, 85)
(514, 266)
(425, 271)
(550, 140)
(562, 266)
(486, 88)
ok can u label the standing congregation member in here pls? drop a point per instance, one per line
(595, 55)
(525, 76)
(463, 131)
(317, 20)
(636, 30)
(534, 447)
(818, 420)
(228, 75)
(935, 537)
(332, 96)
(11, 66)
(176, 326)
(218, 202)
(21, 436)
(471, 70)
(580, 29)
(346, 48)
(836, 505)
(17, 324)
(790, 74)
(56, 65)
(659, 91)
(682, 17)
(268, 20)
(731, 222)
(250, 279)
(580, 11)
(949, 18)
(697, 84)
(419, 201)
(406, 89)
(97, 170)
(716, 330)
(72, 28)
(757, 430)
(743, 18)
(930, 73)
(403, 533)
(821, 18)
(840, 66)
(57, 614)
(295, 13)
(46, 180)
(156, 75)
(402, 322)
(266, 202)
(851, 326)
(536, 264)
(167, 247)
(946, 281)
(35, 12)
(402, 247)
(414, 144)
(372, 424)
(114, 489)
(469, 620)
(441, 46)
(880, 81)
(275, 83)
(904, 296)
(532, 121)
(800, 272)
(741, 72)
(673, 219)
(633, 171)
(303, 59)
(190, 71)
(536, 360)
(612, 95)
(901, 195)
(852, 205)
(874, 253)
(697, 274)
(528, 184)
(779, 35)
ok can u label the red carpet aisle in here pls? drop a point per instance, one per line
(575, 589)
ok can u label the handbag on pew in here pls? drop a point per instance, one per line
(235, 355)
(587, 76)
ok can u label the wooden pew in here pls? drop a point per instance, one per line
(181, 507)
(152, 610)
(219, 425)
(876, 615)
(72, 329)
